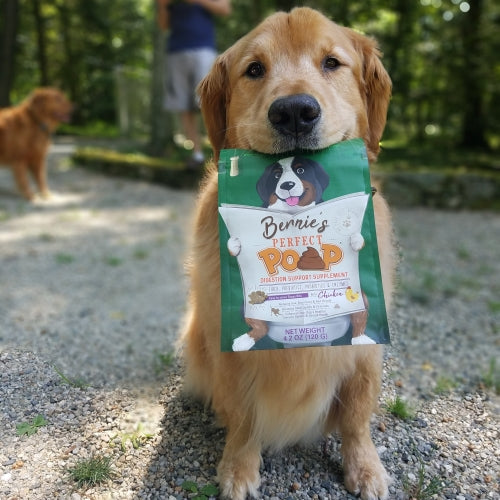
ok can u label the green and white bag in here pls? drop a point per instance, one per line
(298, 249)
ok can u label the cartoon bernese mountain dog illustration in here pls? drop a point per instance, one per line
(291, 185)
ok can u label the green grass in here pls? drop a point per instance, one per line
(494, 306)
(400, 408)
(141, 254)
(95, 129)
(111, 156)
(46, 237)
(169, 170)
(92, 471)
(78, 383)
(491, 378)
(444, 385)
(163, 361)
(64, 258)
(463, 254)
(422, 488)
(30, 428)
(113, 261)
(200, 492)
(137, 438)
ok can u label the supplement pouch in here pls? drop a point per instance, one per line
(298, 250)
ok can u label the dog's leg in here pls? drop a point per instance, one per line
(258, 330)
(199, 374)
(22, 182)
(363, 472)
(38, 171)
(238, 471)
(358, 322)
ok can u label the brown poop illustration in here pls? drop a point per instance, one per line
(310, 260)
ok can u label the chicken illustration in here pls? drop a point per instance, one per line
(350, 295)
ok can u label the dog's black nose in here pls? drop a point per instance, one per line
(287, 186)
(295, 114)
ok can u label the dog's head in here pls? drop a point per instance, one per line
(297, 81)
(49, 106)
(292, 183)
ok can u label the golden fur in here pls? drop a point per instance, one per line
(25, 136)
(270, 399)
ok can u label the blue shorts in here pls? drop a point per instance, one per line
(184, 71)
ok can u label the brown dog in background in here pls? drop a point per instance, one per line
(297, 81)
(25, 132)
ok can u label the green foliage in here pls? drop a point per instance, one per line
(123, 158)
(163, 361)
(64, 258)
(201, 493)
(113, 261)
(442, 59)
(77, 383)
(84, 42)
(141, 254)
(30, 428)
(92, 471)
(491, 378)
(97, 128)
(434, 154)
(169, 171)
(422, 488)
(444, 385)
(400, 408)
(494, 306)
(137, 438)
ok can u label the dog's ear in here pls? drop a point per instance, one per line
(213, 91)
(263, 186)
(377, 87)
(321, 175)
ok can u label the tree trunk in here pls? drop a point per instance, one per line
(161, 121)
(70, 79)
(473, 117)
(41, 45)
(9, 16)
(403, 55)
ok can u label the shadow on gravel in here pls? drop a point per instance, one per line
(192, 445)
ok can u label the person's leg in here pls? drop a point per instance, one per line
(200, 61)
(189, 122)
(178, 95)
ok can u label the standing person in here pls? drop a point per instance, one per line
(190, 54)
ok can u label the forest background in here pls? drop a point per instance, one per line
(442, 56)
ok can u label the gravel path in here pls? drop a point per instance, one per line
(93, 289)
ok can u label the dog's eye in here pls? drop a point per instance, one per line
(330, 63)
(255, 70)
(299, 171)
(277, 174)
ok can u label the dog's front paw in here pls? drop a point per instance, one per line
(357, 242)
(239, 479)
(243, 343)
(234, 246)
(362, 340)
(369, 480)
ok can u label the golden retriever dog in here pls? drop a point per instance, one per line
(296, 82)
(25, 132)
